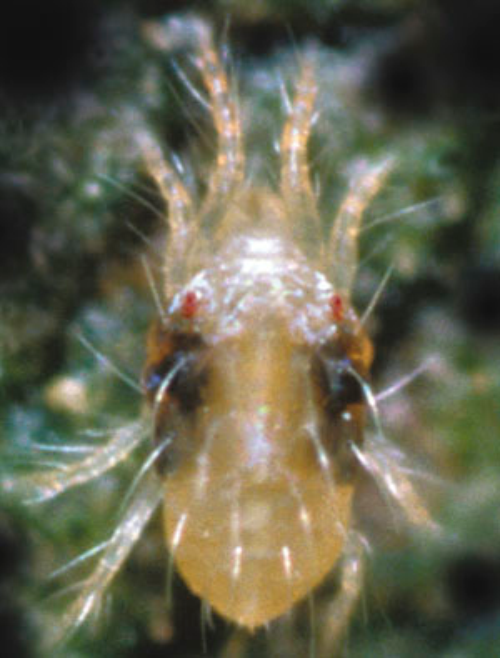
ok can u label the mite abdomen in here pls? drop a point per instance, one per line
(254, 519)
(253, 550)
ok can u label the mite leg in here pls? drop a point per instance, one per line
(179, 212)
(390, 473)
(380, 459)
(342, 257)
(123, 539)
(339, 612)
(228, 171)
(295, 180)
(48, 484)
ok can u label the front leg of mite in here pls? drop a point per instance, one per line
(296, 188)
(342, 254)
(229, 169)
(180, 213)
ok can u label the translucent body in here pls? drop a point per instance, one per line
(260, 478)
(257, 381)
(257, 503)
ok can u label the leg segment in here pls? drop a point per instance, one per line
(392, 477)
(179, 212)
(379, 458)
(295, 181)
(342, 254)
(123, 539)
(228, 172)
(340, 610)
(48, 484)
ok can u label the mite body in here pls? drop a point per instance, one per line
(257, 381)
(257, 421)
(255, 372)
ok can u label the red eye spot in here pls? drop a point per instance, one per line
(190, 305)
(337, 308)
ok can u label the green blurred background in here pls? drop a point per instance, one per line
(414, 79)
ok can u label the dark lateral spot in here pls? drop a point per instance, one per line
(338, 390)
(338, 385)
(473, 583)
(173, 381)
(188, 383)
(186, 357)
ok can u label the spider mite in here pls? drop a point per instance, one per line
(257, 382)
